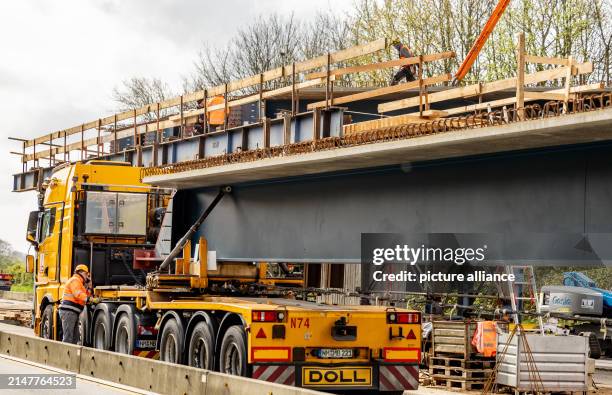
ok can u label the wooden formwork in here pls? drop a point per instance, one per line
(145, 125)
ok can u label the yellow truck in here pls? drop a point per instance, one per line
(238, 317)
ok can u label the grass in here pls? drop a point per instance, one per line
(21, 288)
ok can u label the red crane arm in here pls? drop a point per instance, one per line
(482, 39)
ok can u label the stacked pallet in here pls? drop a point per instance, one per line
(453, 361)
(16, 317)
(460, 374)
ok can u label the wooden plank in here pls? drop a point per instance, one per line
(381, 91)
(433, 114)
(384, 123)
(476, 89)
(568, 85)
(520, 76)
(464, 91)
(544, 96)
(596, 86)
(382, 65)
(546, 60)
(269, 75)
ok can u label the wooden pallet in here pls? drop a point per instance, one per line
(469, 374)
(453, 361)
(18, 317)
(454, 383)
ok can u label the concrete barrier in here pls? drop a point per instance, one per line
(151, 375)
(22, 296)
(142, 373)
(47, 352)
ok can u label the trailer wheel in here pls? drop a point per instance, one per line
(171, 343)
(233, 357)
(102, 332)
(124, 335)
(46, 323)
(201, 352)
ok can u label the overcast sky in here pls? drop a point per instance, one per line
(60, 60)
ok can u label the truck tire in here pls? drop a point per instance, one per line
(594, 347)
(233, 356)
(46, 323)
(124, 335)
(102, 332)
(171, 342)
(201, 351)
(83, 327)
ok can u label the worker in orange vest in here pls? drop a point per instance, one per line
(485, 338)
(407, 71)
(77, 293)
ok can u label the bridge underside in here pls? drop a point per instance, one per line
(319, 218)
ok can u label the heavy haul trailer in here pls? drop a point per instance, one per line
(237, 318)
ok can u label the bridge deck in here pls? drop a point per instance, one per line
(575, 128)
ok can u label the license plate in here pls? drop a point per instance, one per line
(358, 376)
(145, 343)
(336, 353)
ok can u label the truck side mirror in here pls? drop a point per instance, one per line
(32, 227)
(29, 267)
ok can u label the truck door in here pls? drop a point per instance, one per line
(49, 242)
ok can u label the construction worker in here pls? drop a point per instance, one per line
(77, 293)
(407, 71)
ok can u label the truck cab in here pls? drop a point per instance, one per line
(95, 213)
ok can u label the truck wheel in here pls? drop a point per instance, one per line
(201, 347)
(233, 356)
(594, 347)
(83, 328)
(46, 323)
(101, 332)
(171, 343)
(124, 336)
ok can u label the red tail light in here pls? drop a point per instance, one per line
(403, 318)
(269, 316)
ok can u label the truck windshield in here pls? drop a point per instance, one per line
(116, 213)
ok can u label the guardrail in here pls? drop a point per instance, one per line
(21, 296)
(142, 373)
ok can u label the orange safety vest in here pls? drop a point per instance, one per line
(75, 294)
(485, 338)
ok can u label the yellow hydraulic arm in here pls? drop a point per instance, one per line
(481, 40)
